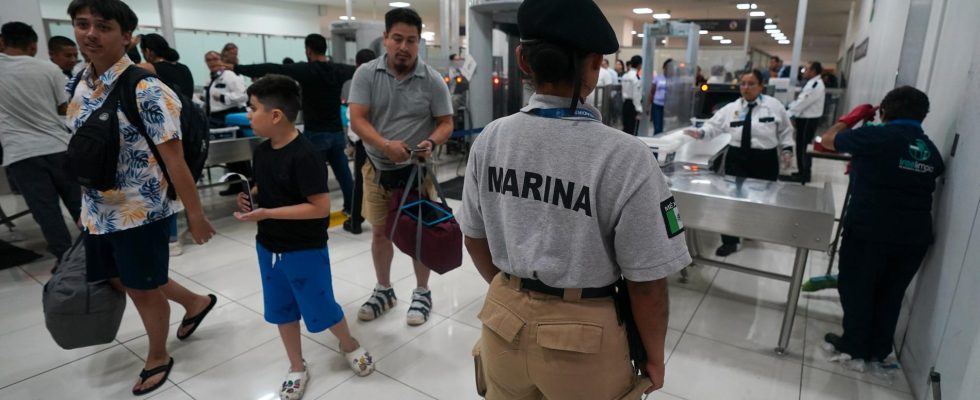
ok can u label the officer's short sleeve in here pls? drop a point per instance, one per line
(864, 141)
(649, 239)
(361, 85)
(471, 221)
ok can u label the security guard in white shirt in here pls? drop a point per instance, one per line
(761, 135)
(806, 112)
(224, 91)
(632, 95)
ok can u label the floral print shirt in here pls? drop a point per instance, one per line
(141, 193)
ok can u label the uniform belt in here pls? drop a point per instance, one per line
(535, 285)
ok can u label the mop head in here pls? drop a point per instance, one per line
(820, 283)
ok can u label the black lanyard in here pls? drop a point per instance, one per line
(564, 113)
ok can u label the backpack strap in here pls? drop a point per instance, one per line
(129, 103)
(73, 84)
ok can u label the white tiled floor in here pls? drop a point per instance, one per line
(719, 346)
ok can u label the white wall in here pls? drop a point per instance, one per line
(874, 75)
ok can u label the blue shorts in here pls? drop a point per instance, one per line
(139, 257)
(298, 284)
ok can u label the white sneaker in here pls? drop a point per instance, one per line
(295, 384)
(360, 361)
(421, 306)
(176, 248)
(382, 300)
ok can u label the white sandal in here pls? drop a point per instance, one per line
(295, 384)
(360, 361)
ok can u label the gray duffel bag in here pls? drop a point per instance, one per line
(76, 312)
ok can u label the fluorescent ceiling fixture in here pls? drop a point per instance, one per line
(768, 20)
(664, 41)
(726, 41)
(703, 32)
(661, 16)
(746, 6)
(634, 32)
(642, 11)
(717, 37)
(757, 14)
(784, 42)
(399, 4)
(773, 31)
(771, 26)
(345, 18)
(640, 35)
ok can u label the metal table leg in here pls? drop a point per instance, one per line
(799, 266)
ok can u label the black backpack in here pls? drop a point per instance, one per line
(97, 155)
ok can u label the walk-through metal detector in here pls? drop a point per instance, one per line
(492, 93)
(348, 37)
(679, 102)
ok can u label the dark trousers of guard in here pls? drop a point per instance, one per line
(872, 282)
(629, 117)
(806, 128)
(750, 163)
(43, 181)
(357, 195)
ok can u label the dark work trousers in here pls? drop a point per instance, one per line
(806, 128)
(629, 117)
(217, 120)
(751, 163)
(331, 146)
(360, 157)
(657, 117)
(872, 282)
(43, 181)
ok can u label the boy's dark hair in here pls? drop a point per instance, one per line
(278, 91)
(18, 35)
(56, 43)
(754, 72)
(905, 102)
(159, 46)
(403, 15)
(112, 10)
(364, 55)
(316, 43)
(815, 66)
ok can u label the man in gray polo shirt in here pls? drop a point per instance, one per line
(33, 134)
(397, 104)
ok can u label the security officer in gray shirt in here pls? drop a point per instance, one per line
(561, 214)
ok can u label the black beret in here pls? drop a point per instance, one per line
(579, 24)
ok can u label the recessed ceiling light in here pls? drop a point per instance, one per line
(772, 31)
(399, 4)
(726, 41)
(770, 26)
(633, 32)
(664, 41)
(743, 6)
(717, 37)
(640, 35)
(784, 42)
(703, 32)
(757, 14)
(661, 16)
(345, 18)
(768, 20)
(642, 11)
(423, 25)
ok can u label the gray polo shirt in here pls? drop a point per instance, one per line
(571, 202)
(399, 110)
(30, 92)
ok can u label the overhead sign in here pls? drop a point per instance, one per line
(730, 25)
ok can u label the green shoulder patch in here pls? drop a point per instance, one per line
(672, 218)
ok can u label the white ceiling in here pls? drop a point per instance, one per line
(826, 22)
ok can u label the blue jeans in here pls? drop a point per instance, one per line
(657, 116)
(331, 146)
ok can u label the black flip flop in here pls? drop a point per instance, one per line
(196, 320)
(144, 375)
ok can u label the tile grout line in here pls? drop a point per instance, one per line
(60, 366)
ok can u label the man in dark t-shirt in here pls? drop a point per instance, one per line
(321, 82)
(888, 223)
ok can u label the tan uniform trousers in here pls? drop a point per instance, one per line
(377, 200)
(538, 346)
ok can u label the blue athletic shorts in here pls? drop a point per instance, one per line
(297, 284)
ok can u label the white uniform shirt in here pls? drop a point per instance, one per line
(632, 89)
(605, 79)
(31, 90)
(229, 88)
(811, 100)
(771, 126)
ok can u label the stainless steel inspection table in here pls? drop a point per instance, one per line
(776, 212)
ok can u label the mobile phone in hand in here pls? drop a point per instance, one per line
(248, 195)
